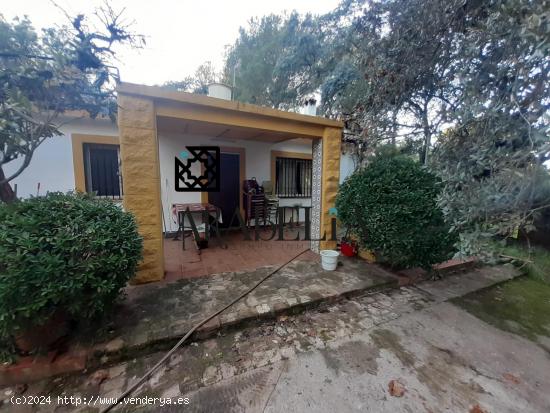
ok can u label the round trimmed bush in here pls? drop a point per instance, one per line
(390, 207)
(66, 253)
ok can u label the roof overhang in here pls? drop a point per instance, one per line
(199, 114)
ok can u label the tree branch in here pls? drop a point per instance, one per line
(26, 162)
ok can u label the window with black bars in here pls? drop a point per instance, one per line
(102, 173)
(293, 177)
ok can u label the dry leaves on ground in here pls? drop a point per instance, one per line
(511, 378)
(396, 388)
(98, 377)
(477, 409)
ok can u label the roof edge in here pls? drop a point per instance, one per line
(157, 92)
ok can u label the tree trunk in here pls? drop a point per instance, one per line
(427, 136)
(6, 193)
(427, 142)
(394, 129)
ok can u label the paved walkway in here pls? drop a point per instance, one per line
(161, 313)
(340, 357)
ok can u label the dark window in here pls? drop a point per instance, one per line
(101, 166)
(293, 178)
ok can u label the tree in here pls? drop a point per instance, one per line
(492, 159)
(272, 60)
(198, 83)
(493, 182)
(44, 75)
(373, 67)
(474, 76)
(398, 71)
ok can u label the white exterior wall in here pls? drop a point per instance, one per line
(52, 162)
(347, 166)
(258, 164)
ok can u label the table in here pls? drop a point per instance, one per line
(197, 212)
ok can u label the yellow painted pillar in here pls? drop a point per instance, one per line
(141, 180)
(330, 176)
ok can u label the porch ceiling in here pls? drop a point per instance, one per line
(190, 127)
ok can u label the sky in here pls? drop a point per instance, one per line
(180, 34)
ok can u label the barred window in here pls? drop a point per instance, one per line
(293, 177)
(101, 169)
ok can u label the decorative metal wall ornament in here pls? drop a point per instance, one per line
(208, 157)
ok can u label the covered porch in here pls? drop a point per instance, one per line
(294, 158)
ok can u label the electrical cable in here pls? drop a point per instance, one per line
(148, 374)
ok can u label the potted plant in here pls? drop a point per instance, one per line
(63, 257)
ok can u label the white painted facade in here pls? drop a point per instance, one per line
(52, 163)
(257, 164)
(347, 166)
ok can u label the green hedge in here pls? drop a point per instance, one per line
(65, 252)
(390, 206)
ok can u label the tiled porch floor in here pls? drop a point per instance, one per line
(240, 255)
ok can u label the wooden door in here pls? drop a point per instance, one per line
(227, 199)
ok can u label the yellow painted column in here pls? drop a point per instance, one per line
(141, 180)
(330, 179)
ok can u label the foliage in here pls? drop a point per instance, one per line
(390, 206)
(43, 75)
(399, 57)
(63, 252)
(415, 67)
(198, 83)
(491, 161)
(494, 184)
(271, 60)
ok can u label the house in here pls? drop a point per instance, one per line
(134, 161)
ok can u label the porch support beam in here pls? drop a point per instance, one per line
(141, 180)
(239, 119)
(332, 138)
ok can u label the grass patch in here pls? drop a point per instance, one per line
(534, 262)
(521, 306)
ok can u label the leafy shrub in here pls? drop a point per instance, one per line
(390, 206)
(68, 253)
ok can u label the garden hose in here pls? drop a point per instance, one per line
(153, 369)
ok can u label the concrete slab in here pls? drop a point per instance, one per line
(460, 284)
(446, 360)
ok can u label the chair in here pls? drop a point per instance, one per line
(272, 202)
(253, 200)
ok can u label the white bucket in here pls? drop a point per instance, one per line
(329, 259)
